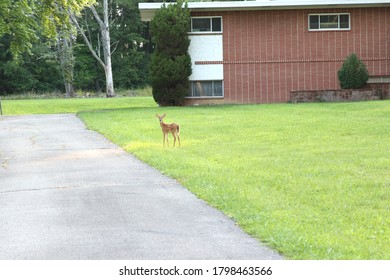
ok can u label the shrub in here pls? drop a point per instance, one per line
(170, 66)
(353, 73)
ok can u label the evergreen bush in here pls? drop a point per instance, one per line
(170, 66)
(353, 73)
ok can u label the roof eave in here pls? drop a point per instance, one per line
(147, 10)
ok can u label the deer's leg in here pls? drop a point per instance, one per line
(177, 133)
(178, 138)
(166, 137)
(174, 139)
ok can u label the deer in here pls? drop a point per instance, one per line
(174, 128)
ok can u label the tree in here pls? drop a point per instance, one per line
(88, 73)
(66, 59)
(38, 70)
(171, 63)
(106, 41)
(67, 55)
(130, 57)
(25, 20)
(353, 73)
(19, 19)
(129, 37)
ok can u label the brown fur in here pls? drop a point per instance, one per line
(174, 128)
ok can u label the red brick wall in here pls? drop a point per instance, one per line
(266, 54)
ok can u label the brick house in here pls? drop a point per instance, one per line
(260, 51)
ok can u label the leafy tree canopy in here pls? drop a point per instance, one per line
(21, 18)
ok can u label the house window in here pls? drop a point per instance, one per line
(206, 24)
(200, 89)
(329, 22)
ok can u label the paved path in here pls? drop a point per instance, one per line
(68, 193)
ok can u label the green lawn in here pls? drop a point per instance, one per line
(72, 105)
(310, 180)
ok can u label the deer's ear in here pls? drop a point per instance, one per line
(157, 116)
(163, 116)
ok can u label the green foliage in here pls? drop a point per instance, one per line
(171, 63)
(34, 72)
(131, 70)
(17, 20)
(170, 79)
(353, 73)
(88, 74)
(129, 58)
(20, 19)
(40, 70)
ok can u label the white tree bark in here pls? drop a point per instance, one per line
(106, 41)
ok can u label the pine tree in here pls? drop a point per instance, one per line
(171, 63)
(353, 73)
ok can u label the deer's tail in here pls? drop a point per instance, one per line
(178, 129)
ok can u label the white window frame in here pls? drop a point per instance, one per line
(211, 24)
(329, 29)
(204, 97)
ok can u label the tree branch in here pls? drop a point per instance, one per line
(96, 15)
(116, 46)
(75, 22)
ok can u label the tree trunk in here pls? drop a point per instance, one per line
(105, 32)
(109, 81)
(66, 57)
(69, 91)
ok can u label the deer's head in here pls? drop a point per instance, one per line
(160, 118)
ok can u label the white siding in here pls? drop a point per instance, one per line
(206, 48)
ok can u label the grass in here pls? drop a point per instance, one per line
(310, 180)
(146, 91)
(71, 105)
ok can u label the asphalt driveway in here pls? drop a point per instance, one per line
(68, 193)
